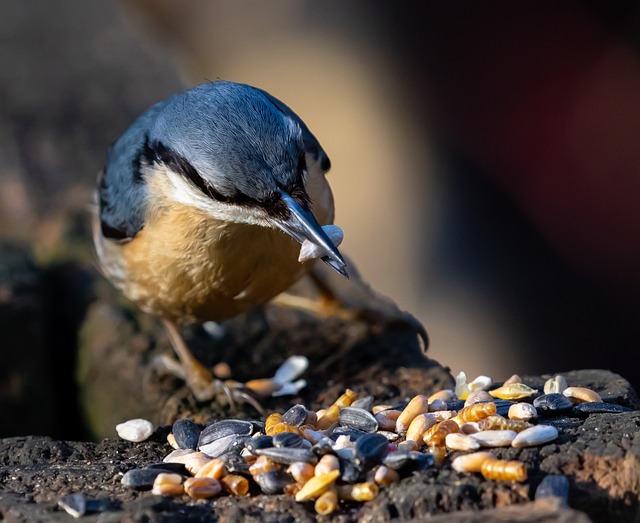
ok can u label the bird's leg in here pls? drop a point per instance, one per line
(200, 380)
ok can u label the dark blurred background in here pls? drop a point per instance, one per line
(486, 156)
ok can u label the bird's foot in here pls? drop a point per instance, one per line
(206, 387)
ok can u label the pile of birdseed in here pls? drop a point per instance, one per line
(354, 447)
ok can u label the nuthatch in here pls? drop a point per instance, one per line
(203, 205)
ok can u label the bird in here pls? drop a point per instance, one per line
(202, 207)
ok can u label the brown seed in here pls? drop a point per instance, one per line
(330, 416)
(384, 476)
(409, 444)
(274, 424)
(475, 412)
(496, 422)
(358, 491)
(214, 468)
(418, 405)
(301, 471)
(439, 452)
(316, 486)
(387, 419)
(581, 395)
(202, 488)
(347, 398)
(435, 435)
(515, 378)
(419, 425)
(171, 439)
(326, 502)
(168, 484)
(235, 484)
(502, 470)
(444, 394)
(471, 462)
(262, 465)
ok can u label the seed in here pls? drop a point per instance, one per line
(358, 492)
(328, 418)
(326, 502)
(195, 461)
(584, 409)
(317, 485)
(135, 430)
(581, 394)
(551, 404)
(379, 408)
(287, 456)
(501, 470)
(536, 435)
(186, 433)
(328, 463)
(444, 394)
(262, 465)
(301, 471)
(418, 405)
(234, 484)
(356, 418)
(555, 385)
(288, 439)
(496, 422)
(478, 396)
(369, 450)
(419, 425)
(273, 481)
(475, 412)
(522, 411)
(214, 468)
(365, 403)
(387, 419)
(438, 452)
(437, 405)
(296, 415)
(224, 428)
(167, 484)
(480, 383)
(459, 441)
(494, 438)
(410, 444)
(471, 462)
(171, 440)
(202, 488)
(347, 398)
(515, 378)
(435, 435)
(275, 424)
(462, 388)
(513, 391)
(385, 476)
(223, 445)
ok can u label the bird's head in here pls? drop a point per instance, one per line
(241, 156)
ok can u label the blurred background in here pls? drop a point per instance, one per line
(486, 156)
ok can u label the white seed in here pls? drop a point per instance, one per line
(471, 462)
(312, 251)
(515, 378)
(480, 383)
(462, 388)
(459, 441)
(178, 456)
(536, 435)
(478, 396)
(581, 394)
(291, 369)
(557, 384)
(494, 438)
(522, 411)
(135, 429)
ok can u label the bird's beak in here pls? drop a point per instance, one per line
(302, 225)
